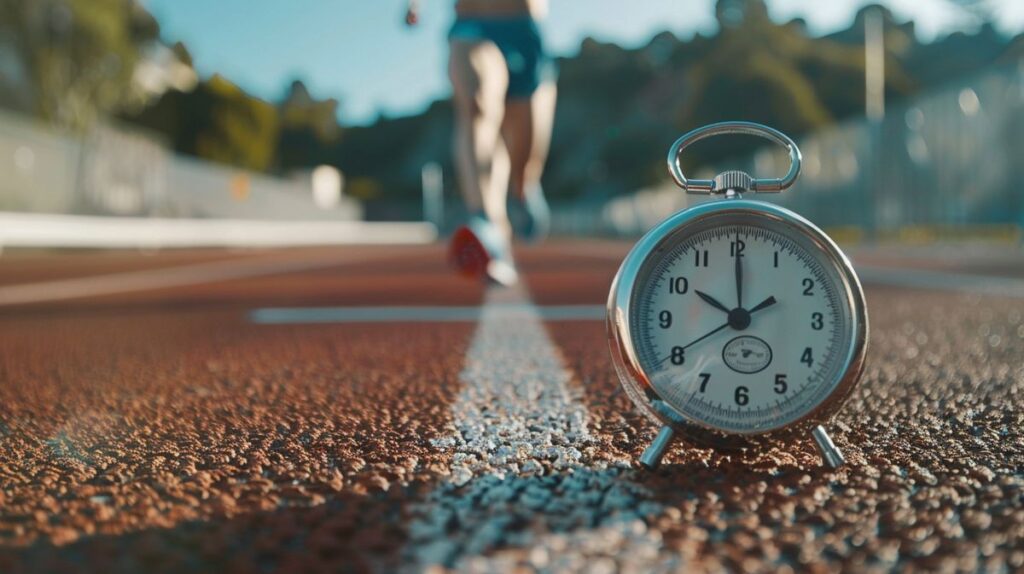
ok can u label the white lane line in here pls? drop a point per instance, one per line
(152, 279)
(526, 488)
(60, 230)
(414, 314)
(942, 281)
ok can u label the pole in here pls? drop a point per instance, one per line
(874, 109)
(874, 64)
(432, 178)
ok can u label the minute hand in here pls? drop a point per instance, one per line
(739, 278)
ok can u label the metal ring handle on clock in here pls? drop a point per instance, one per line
(707, 186)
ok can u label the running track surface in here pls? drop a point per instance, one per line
(147, 423)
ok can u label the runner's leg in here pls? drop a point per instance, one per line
(526, 130)
(480, 81)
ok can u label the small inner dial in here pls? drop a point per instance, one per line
(741, 322)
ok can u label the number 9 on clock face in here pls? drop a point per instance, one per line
(740, 317)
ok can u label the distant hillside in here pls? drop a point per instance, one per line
(618, 108)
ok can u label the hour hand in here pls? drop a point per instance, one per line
(711, 301)
(763, 304)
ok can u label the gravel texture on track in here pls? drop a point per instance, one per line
(174, 442)
(529, 487)
(170, 435)
(934, 438)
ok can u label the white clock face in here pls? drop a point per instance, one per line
(741, 323)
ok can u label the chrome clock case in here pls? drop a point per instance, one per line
(631, 373)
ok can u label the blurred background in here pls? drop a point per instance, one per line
(115, 113)
(214, 357)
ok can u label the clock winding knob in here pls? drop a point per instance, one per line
(734, 180)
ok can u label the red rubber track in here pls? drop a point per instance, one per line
(162, 431)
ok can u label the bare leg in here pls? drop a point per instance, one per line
(480, 80)
(526, 130)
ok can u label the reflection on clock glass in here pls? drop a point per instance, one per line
(741, 322)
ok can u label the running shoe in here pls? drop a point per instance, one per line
(531, 216)
(478, 250)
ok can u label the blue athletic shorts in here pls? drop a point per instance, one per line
(520, 42)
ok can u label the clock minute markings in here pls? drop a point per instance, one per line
(660, 271)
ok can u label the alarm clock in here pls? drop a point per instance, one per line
(735, 322)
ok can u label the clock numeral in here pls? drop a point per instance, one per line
(741, 396)
(808, 286)
(780, 384)
(665, 319)
(678, 285)
(699, 256)
(807, 358)
(678, 356)
(817, 321)
(736, 248)
(776, 259)
(704, 378)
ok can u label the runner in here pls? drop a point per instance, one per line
(504, 94)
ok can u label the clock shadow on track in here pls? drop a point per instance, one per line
(707, 499)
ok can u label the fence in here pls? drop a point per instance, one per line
(116, 171)
(949, 159)
(952, 159)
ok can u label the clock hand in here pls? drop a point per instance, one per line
(695, 341)
(711, 300)
(764, 304)
(739, 279)
(699, 339)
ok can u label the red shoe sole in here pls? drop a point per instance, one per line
(467, 254)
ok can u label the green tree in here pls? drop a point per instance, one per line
(775, 74)
(309, 128)
(217, 121)
(73, 60)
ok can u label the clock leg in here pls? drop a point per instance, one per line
(830, 454)
(651, 457)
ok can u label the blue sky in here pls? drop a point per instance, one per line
(359, 52)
